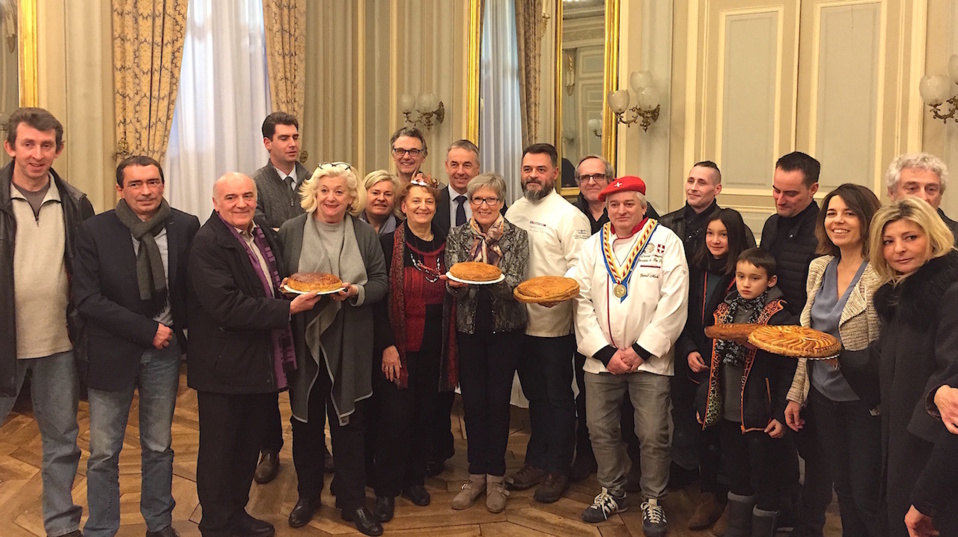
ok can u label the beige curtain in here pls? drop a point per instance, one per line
(285, 22)
(529, 30)
(147, 54)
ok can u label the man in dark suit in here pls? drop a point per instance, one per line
(462, 164)
(923, 175)
(130, 286)
(277, 200)
(240, 347)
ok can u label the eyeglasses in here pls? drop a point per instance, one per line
(479, 202)
(594, 177)
(335, 165)
(400, 152)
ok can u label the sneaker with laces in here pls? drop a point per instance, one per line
(603, 506)
(654, 523)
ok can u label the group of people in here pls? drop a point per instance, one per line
(108, 299)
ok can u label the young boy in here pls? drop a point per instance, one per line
(745, 397)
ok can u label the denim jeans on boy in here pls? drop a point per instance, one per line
(156, 382)
(53, 390)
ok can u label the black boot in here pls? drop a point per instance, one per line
(739, 515)
(763, 522)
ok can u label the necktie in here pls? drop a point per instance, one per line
(289, 182)
(461, 210)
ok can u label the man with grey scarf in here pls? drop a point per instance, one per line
(131, 287)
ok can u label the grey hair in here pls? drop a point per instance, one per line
(488, 180)
(609, 170)
(915, 161)
(638, 195)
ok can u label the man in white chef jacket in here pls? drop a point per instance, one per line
(631, 308)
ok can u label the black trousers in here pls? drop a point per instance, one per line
(545, 372)
(487, 365)
(710, 462)
(754, 462)
(273, 430)
(852, 437)
(816, 491)
(309, 442)
(442, 444)
(230, 436)
(405, 417)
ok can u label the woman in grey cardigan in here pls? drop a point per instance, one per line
(334, 364)
(489, 324)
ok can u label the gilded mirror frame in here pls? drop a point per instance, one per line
(610, 78)
(27, 42)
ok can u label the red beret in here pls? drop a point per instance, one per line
(628, 183)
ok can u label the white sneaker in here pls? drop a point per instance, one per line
(654, 523)
(603, 506)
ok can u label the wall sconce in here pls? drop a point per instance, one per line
(934, 91)
(568, 70)
(426, 107)
(647, 106)
(568, 135)
(595, 127)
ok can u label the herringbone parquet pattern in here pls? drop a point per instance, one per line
(20, 490)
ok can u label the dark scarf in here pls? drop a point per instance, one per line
(733, 353)
(150, 273)
(283, 349)
(485, 246)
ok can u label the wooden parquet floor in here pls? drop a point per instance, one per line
(20, 490)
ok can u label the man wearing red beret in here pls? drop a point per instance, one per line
(631, 308)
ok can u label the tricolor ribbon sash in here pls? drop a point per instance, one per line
(622, 274)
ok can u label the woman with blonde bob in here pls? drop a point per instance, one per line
(911, 250)
(382, 189)
(334, 350)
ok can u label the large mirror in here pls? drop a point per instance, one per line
(18, 59)
(578, 68)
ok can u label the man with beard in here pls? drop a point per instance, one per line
(130, 286)
(556, 232)
(408, 148)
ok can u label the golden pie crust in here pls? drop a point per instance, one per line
(474, 271)
(314, 282)
(737, 332)
(795, 341)
(546, 289)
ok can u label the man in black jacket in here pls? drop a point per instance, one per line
(240, 345)
(923, 175)
(130, 287)
(789, 235)
(39, 217)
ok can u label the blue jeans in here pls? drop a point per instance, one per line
(156, 382)
(53, 390)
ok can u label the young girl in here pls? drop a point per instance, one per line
(711, 276)
(745, 397)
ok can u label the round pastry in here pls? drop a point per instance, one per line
(472, 271)
(795, 341)
(546, 289)
(737, 332)
(314, 282)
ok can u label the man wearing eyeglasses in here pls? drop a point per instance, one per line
(592, 174)
(408, 148)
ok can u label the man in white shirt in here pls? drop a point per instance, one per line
(556, 231)
(631, 308)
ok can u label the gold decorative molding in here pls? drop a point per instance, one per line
(472, 92)
(610, 79)
(27, 14)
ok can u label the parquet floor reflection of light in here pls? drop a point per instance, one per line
(21, 489)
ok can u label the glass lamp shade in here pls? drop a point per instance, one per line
(619, 101)
(595, 125)
(647, 98)
(424, 102)
(407, 103)
(639, 80)
(934, 88)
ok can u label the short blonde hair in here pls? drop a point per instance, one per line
(336, 169)
(374, 178)
(940, 239)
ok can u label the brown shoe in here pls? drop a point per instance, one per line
(526, 478)
(552, 488)
(267, 468)
(721, 525)
(329, 466)
(707, 511)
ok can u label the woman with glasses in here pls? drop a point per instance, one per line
(414, 329)
(334, 353)
(489, 324)
(381, 190)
